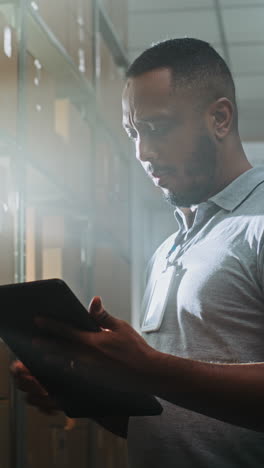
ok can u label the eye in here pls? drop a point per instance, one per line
(158, 130)
(131, 133)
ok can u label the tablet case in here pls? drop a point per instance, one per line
(75, 389)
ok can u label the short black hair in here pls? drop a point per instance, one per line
(194, 64)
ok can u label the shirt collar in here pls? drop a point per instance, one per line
(237, 191)
(234, 194)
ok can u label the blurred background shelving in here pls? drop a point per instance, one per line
(64, 191)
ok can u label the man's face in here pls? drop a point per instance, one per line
(172, 140)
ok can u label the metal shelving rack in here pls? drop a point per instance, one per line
(34, 36)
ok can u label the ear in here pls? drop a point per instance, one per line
(221, 115)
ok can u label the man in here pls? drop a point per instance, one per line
(202, 348)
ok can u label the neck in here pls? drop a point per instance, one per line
(189, 214)
(232, 163)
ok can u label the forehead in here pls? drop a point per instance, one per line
(149, 93)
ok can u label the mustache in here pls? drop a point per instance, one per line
(155, 170)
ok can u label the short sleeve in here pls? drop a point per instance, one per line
(261, 265)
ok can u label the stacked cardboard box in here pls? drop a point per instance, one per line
(58, 136)
(59, 144)
(75, 137)
(71, 23)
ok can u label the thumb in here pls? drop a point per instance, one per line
(100, 315)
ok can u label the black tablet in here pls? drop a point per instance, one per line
(78, 395)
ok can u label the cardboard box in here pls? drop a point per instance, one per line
(70, 21)
(57, 134)
(75, 135)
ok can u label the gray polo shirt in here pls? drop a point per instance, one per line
(214, 312)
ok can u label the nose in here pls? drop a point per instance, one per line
(145, 151)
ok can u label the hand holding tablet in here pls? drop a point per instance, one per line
(81, 390)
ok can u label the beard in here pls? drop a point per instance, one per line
(204, 168)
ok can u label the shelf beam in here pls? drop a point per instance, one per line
(111, 38)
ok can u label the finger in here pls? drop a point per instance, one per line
(24, 380)
(95, 304)
(101, 316)
(56, 328)
(30, 385)
(77, 340)
(18, 368)
(54, 354)
(59, 363)
(65, 332)
(50, 345)
(45, 404)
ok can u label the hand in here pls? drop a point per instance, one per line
(117, 355)
(36, 394)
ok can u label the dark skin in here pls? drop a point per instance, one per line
(166, 126)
